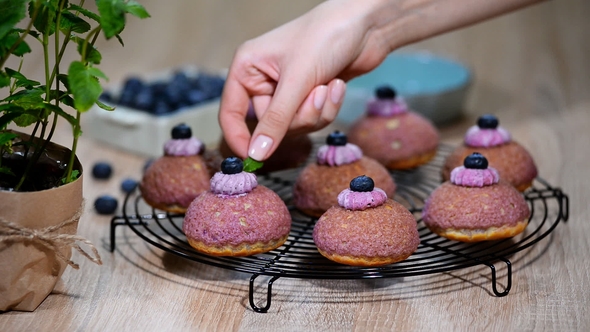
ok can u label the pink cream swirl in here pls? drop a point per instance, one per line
(361, 200)
(336, 155)
(479, 137)
(233, 185)
(471, 177)
(183, 147)
(386, 107)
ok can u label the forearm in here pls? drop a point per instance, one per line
(402, 22)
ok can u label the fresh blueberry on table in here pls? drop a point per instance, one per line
(102, 170)
(475, 161)
(128, 185)
(487, 121)
(105, 204)
(232, 165)
(385, 92)
(337, 138)
(362, 183)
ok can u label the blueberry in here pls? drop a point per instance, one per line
(161, 107)
(232, 165)
(336, 139)
(385, 92)
(105, 204)
(195, 96)
(131, 88)
(475, 161)
(487, 121)
(362, 183)
(144, 99)
(102, 170)
(181, 131)
(128, 185)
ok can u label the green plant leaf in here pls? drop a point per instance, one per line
(135, 9)
(6, 137)
(21, 80)
(251, 165)
(27, 99)
(13, 11)
(75, 175)
(84, 85)
(6, 170)
(45, 20)
(8, 118)
(120, 40)
(28, 118)
(9, 40)
(74, 23)
(85, 12)
(63, 79)
(4, 79)
(104, 106)
(92, 54)
(112, 16)
(59, 111)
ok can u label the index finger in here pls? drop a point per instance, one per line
(290, 93)
(232, 116)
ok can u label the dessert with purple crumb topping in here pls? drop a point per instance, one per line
(236, 216)
(366, 228)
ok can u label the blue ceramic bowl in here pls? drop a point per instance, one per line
(432, 85)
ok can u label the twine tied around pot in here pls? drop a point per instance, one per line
(10, 231)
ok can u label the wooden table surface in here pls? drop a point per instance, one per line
(532, 69)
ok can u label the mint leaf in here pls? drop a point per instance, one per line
(74, 23)
(21, 80)
(84, 12)
(251, 165)
(135, 9)
(92, 54)
(4, 79)
(9, 40)
(6, 137)
(12, 12)
(112, 16)
(84, 85)
(104, 106)
(46, 13)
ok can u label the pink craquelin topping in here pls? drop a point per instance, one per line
(386, 107)
(183, 147)
(361, 200)
(336, 155)
(486, 137)
(471, 177)
(233, 185)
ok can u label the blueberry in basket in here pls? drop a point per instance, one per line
(169, 95)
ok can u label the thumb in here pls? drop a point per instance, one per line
(275, 122)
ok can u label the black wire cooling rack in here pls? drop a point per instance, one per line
(299, 258)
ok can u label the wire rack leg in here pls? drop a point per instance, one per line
(495, 280)
(115, 221)
(268, 294)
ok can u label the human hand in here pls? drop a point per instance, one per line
(294, 75)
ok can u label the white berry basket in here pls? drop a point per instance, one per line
(143, 133)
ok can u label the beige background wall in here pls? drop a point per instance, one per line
(206, 33)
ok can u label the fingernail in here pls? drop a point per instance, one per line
(337, 91)
(259, 148)
(319, 98)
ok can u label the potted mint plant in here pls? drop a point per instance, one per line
(41, 182)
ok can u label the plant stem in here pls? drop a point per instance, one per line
(70, 165)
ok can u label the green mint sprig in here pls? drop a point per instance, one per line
(251, 165)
